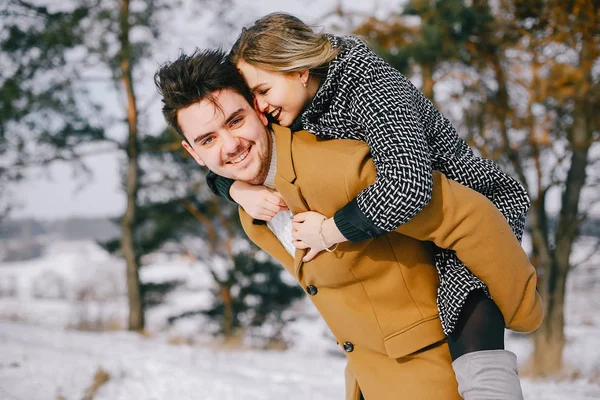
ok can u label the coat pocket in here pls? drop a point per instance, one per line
(414, 338)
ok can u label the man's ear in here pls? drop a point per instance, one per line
(192, 152)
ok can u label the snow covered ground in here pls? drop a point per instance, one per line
(78, 282)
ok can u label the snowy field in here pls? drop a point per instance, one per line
(76, 285)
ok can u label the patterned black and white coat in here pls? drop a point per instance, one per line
(362, 97)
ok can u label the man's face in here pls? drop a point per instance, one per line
(232, 141)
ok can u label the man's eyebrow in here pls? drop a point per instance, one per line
(231, 117)
(199, 138)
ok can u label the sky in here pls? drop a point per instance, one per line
(54, 193)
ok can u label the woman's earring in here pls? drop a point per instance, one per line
(304, 84)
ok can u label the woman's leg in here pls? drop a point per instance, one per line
(484, 370)
(480, 326)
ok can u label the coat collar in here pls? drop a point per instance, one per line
(285, 165)
(285, 178)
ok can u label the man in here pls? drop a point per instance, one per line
(379, 296)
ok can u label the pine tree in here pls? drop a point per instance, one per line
(47, 113)
(443, 35)
(41, 118)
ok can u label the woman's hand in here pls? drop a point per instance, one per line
(305, 231)
(258, 201)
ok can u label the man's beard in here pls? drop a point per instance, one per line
(265, 162)
(261, 176)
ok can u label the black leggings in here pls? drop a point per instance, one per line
(480, 326)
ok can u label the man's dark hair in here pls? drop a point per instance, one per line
(192, 78)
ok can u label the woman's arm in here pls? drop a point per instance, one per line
(219, 185)
(384, 107)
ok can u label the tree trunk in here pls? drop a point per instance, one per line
(503, 115)
(427, 76)
(549, 339)
(136, 311)
(224, 246)
(225, 293)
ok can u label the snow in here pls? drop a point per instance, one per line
(42, 356)
(63, 363)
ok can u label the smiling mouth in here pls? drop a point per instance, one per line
(276, 113)
(240, 157)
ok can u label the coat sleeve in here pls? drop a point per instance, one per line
(460, 219)
(384, 106)
(219, 185)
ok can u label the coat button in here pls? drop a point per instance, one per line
(312, 290)
(348, 347)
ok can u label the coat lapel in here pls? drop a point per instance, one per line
(286, 174)
(285, 179)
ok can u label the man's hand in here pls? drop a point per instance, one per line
(258, 201)
(305, 231)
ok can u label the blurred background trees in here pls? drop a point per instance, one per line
(107, 42)
(41, 116)
(519, 80)
(523, 76)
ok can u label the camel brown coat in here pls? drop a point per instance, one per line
(378, 297)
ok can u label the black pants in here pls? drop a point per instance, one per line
(480, 326)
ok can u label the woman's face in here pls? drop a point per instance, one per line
(281, 95)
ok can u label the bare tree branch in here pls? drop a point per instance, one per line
(593, 252)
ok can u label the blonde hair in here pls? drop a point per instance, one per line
(280, 42)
